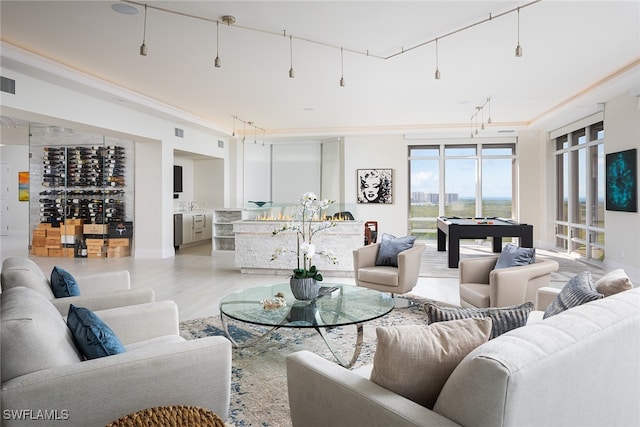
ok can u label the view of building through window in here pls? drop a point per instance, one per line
(463, 180)
(580, 192)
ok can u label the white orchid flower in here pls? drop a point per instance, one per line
(308, 249)
(309, 197)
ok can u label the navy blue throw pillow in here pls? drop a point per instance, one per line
(92, 336)
(390, 247)
(63, 284)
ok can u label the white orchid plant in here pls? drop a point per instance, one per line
(311, 222)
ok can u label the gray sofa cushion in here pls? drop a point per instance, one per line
(34, 334)
(24, 272)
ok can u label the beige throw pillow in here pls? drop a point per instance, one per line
(415, 361)
(613, 282)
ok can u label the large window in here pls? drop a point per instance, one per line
(580, 192)
(464, 180)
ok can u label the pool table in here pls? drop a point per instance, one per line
(479, 228)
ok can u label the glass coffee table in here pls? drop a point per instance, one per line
(351, 305)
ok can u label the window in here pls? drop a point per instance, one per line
(465, 180)
(580, 192)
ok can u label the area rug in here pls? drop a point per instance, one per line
(258, 377)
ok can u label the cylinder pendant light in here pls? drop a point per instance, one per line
(518, 47)
(292, 74)
(143, 46)
(437, 73)
(217, 61)
(342, 82)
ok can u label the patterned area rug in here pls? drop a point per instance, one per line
(258, 378)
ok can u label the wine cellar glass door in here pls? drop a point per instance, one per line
(81, 194)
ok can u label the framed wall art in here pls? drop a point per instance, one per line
(622, 181)
(23, 186)
(375, 186)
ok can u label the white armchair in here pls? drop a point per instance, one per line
(98, 291)
(397, 280)
(481, 285)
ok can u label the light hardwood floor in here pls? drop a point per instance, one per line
(195, 279)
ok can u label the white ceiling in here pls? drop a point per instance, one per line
(570, 48)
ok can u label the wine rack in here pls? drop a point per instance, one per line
(83, 183)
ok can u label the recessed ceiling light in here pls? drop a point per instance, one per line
(125, 9)
(308, 109)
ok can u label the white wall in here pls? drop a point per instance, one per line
(535, 178)
(296, 170)
(257, 172)
(622, 237)
(379, 152)
(14, 215)
(332, 170)
(208, 178)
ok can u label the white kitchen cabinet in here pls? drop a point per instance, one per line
(196, 226)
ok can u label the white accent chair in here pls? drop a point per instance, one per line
(397, 280)
(481, 285)
(98, 291)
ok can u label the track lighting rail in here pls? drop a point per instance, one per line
(366, 52)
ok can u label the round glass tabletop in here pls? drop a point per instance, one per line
(350, 305)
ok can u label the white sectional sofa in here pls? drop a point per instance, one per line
(43, 374)
(98, 291)
(575, 369)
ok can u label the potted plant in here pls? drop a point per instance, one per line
(306, 277)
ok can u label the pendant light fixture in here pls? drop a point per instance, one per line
(437, 73)
(489, 110)
(518, 47)
(342, 82)
(143, 46)
(217, 61)
(292, 74)
(234, 127)
(244, 132)
(476, 116)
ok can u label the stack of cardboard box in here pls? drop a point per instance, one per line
(118, 247)
(71, 235)
(63, 241)
(39, 240)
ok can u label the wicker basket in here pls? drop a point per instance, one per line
(170, 416)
